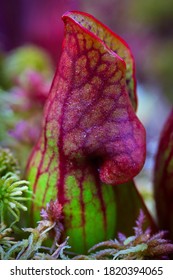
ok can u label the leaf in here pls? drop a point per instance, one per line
(129, 202)
(163, 177)
(115, 43)
(91, 138)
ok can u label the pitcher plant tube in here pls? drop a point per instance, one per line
(91, 138)
(163, 178)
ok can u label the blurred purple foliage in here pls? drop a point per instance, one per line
(37, 22)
